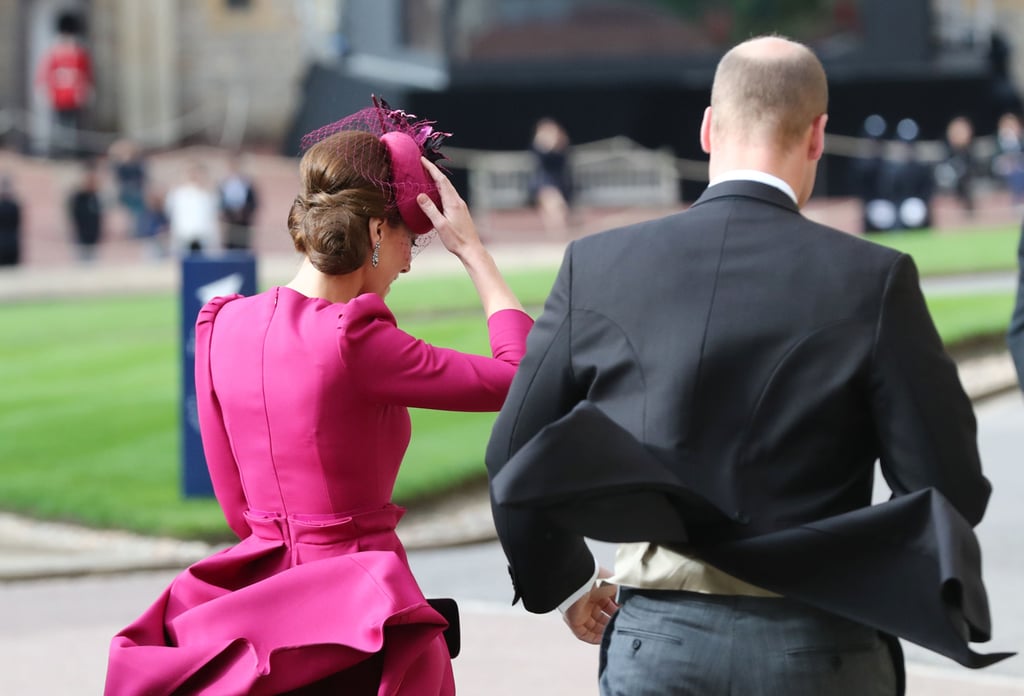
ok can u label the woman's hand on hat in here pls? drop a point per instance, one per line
(455, 225)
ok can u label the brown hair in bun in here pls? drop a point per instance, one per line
(329, 218)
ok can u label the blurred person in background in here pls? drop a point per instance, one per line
(1015, 335)
(238, 203)
(551, 185)
(128, 166)
(153, 226)
(10, 223)
(193, 214)
(878, 210)
(908, 182)
(303, 394)
(86, 212)
(957, 172)
(1008, 162)
(65, 74)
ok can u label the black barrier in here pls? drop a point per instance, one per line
(202, 279)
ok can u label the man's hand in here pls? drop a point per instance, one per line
(589, 616)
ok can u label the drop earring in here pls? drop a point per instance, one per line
(375, 257)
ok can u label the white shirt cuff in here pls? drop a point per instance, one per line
(578, 594)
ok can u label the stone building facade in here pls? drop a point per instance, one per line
(231, 71)
(166, 71)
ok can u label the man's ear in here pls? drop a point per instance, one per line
(705, 132)
(817, 144)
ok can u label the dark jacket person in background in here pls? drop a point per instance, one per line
(238, 204)
(1015, 336)
(86, 212)
(10, 224)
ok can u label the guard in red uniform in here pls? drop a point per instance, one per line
(66, 74)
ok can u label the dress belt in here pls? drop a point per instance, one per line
(362, 530)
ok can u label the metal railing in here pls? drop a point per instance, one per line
(618, 172)
(611, 172)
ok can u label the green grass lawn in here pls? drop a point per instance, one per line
(89, 421)
(428, 295)
(966, 251)
(89, 409)
(964, 318)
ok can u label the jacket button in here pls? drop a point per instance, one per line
(636, 643)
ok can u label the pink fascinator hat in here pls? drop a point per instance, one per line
(406, 139)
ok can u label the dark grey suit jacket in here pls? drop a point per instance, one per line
(723, 380)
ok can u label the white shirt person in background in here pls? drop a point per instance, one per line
(193, 214)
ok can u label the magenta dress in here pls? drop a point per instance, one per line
(303, 412)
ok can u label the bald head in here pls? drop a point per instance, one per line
(768, 88)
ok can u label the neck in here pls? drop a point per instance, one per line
(788, 166)
(333, 288)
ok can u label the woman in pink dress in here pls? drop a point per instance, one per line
(303, 393)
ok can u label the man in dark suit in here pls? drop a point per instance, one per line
(237, 205)
(712, 390)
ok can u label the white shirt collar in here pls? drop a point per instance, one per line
(758, 176)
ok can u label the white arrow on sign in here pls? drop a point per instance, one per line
(228, 285)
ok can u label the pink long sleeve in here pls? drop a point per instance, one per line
(220, 459)
(394, 367)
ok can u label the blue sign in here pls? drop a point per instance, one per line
(202, 279)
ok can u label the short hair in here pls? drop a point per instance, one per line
(328, 220)
(771, 93)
